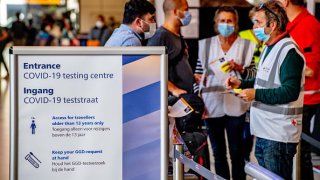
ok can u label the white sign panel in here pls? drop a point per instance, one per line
(68, 122)
(88, 113)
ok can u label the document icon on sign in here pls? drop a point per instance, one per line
(33, 159)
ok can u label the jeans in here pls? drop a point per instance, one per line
(216, 130)
(305, 158)
(276, 156)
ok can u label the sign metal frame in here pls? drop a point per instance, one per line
(17, 51)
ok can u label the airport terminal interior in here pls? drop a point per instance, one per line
(72, 23)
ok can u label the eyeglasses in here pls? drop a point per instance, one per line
(263, 6)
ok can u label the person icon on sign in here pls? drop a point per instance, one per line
(33, 127)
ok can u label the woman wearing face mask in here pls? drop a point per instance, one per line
(225, 111)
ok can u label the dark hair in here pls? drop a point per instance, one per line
(18, 15)
(101, 17)
(136, 9)
(274, 12)
(297, 2)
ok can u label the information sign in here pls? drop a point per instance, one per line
(88, 113)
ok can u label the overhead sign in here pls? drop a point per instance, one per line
(46, 2)
(88, 113)
(38, 2)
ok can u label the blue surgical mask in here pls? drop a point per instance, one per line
(225, 29)
(261, 35)
(187, 18)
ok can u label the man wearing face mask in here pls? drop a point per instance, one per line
(225, 112)
(180, 74)
(277, 96)
(138, 25)
(100, 31)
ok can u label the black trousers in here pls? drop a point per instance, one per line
(316, 130)
(305, 157)
(234, 128)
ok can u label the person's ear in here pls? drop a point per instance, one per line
(138, 22)
(175, 12)
(273, 25)
(285, 3)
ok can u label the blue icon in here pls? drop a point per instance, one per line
(33, 160)
(33, 126)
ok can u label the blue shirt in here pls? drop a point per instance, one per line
(124, 36)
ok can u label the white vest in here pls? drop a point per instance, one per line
(276, 122)
(218, 104)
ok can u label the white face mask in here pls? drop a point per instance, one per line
(151, 32)
(99, 24)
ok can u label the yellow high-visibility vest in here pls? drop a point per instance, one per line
(248, 34)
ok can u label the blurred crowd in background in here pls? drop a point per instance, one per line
(55, 31)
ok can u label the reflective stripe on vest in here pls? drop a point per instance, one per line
(270, 82)
(213, 89)
(277, 109)
(279, 122)
(262, 83)
(312, 91)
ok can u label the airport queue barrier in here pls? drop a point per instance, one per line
(251, 169)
